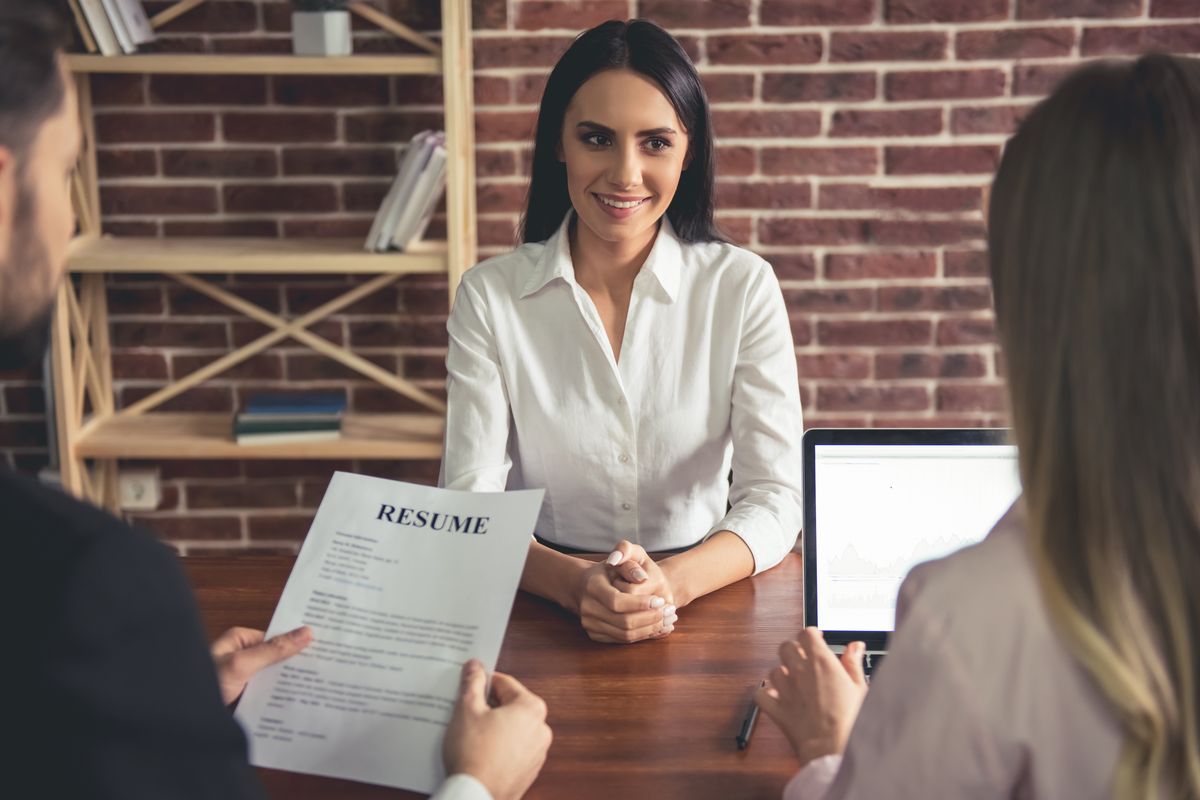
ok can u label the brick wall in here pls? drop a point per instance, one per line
(855, 139)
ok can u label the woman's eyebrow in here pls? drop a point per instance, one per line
(605, 129)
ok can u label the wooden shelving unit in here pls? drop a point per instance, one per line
(92, 433)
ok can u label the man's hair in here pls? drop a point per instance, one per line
(32, 33)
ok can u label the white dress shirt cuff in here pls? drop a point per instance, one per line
(462, 787)
(814, 780)
(761, 532)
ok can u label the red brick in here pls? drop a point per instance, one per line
(944, 84)
(184, 470)
(802, 332)
(192, 526)
(793, 266)
(937, 421)
(204, 399)
(988, 119)
(377, 400)
(819, 420)
(340, 228)
(321, 470)
(971, 330)
(1012, 44)
(816, 12)
(810, 231)
(364, 196)
(966, 264)
(935, 298)
(572, 15)
(118, 90)
(158, 200)
(768, 49)
(1137, 40)
(1175, 8)
(259, 198)
(529, 87)
(763, 195)
(972, 398)
(25, 399)
(216, 16)
(116, 227)
(264, 366)
(389, 127)
(736, 160)
(504, 126)
(520, 51)
(1062, 9)
(22, 433)
(242, 495)
(673, 14)
(820, 160)
(747, 123)
(316, 367)
(888, 122)
(872, 398)
(834, 365)
(415, 332)
(141, 300)
(925, 233)
(876, 332)
(495, 163)
(185, 302)
(340, 160)
(279, 126)
(887, 46)
(724, 87)
(887, 265)
(205, 90)
(818, 87)
(340, 91)
(423, 472)
(500, 197)
(858, 196)
(934, 160)
(738, 230)
(170, 334)
(223, 163)
(1039, 79)
(175, 126)
(900, 366)
(913, 11)
(418, 367)
(252, 45)
(140, 366)
(499, 233)
(829, 301)
(127, 163)
(222, 227)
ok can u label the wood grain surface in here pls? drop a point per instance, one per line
(650, 720)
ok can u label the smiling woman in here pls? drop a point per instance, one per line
(626, 357)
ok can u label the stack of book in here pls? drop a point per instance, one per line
(112, 26)
(410, 202)
(291, 417)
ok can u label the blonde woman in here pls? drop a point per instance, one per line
(1058, 658)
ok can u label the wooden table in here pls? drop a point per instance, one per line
(650, 720)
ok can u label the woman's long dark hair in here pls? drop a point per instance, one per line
(648, 50)
(1094, 235)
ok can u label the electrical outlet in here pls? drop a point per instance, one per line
(140, 490)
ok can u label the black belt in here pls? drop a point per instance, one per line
(571, 551)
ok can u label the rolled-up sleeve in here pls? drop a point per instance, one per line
(766, 506)
(462, 787)
(475, 454)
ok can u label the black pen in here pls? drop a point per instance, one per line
(743, 737)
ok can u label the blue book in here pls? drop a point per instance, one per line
(307, 403)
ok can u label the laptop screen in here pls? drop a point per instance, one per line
(882, 508)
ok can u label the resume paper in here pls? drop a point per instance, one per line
(401, 584)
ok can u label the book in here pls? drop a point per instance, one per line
(133, 15)
(287, 437)
(85, 33)
(416, 154)
(97, 19)
(124, 37)
(295, 403)
(252, 425)
(419, 208)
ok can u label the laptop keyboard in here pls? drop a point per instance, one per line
(871, 661)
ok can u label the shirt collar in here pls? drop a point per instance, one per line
(664, 261)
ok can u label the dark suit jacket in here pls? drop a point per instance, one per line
(111, 688)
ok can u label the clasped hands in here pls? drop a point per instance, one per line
(626, 598)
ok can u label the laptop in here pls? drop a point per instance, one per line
(877, 502)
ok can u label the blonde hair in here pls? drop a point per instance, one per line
(1094, 239)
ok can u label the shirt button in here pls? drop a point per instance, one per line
(624, 458)
(626, 506)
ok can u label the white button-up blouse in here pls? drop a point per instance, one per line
(640, 448)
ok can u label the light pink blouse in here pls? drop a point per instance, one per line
(978, 698)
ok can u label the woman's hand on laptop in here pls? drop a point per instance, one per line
(618, 617)
(813, 695)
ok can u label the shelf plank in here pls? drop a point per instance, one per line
(209, 436)
(246, 254)
(233, 64)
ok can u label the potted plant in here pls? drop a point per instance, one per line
(321, 28)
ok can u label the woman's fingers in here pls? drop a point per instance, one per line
(600, 630)
(626, 551)
(626, 620)
(616, 601)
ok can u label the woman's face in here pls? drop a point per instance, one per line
(624, 149)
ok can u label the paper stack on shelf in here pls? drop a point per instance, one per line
(291, 417)
(410, 202)
(112, 26)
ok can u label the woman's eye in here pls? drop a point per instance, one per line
(658, 144)
(595, 139)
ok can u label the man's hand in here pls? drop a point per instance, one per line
(502, 747)
(813, 696)
(611, 615)
(240, 653)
